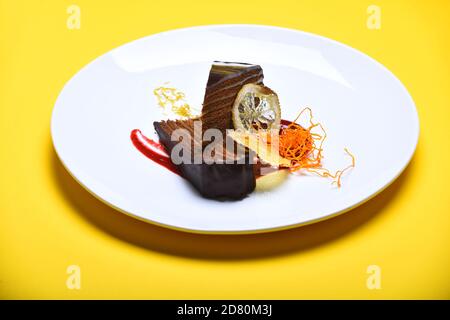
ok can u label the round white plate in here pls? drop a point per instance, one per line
(362, 105)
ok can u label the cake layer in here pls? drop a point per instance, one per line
(216, 180)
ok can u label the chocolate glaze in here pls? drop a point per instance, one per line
(218, 180)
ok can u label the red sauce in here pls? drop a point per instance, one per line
(285, 123)
(152, 150)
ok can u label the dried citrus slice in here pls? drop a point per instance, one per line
(267, 153)
(256, 108)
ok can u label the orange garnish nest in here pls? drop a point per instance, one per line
(304, 148)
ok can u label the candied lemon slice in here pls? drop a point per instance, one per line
(256, 108)
(267, 153)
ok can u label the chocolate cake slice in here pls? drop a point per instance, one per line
(224, 82)
(219, 180)
(232, 180)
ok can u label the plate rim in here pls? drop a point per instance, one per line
(246, 231)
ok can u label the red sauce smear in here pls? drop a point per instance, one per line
(156, 152)
(152, 150)
(285, 123)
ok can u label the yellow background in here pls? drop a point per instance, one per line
(48, 222)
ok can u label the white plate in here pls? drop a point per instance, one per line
(362, 105)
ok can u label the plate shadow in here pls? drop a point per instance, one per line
(217, 247)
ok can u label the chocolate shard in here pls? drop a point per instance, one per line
(224, 82)
(232, 180)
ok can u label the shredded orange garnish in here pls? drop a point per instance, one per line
(323, 172)
(304, 148)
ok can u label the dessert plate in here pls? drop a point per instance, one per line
(362, 105)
